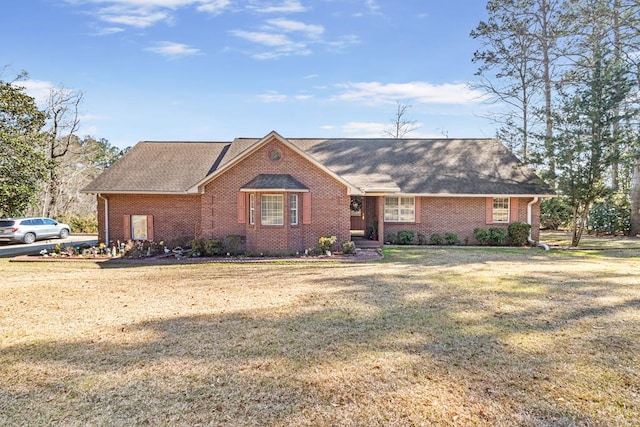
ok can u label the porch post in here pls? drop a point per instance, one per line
(380, 215)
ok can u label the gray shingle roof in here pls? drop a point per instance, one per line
(274, 181)
(160, 167)
(413, 166)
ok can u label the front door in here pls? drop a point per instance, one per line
(357, 213)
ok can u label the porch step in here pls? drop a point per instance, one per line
(363, 243)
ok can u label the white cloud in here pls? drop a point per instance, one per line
(37, 89)
(420, 92)
(288, 25)
(145, 13)
(364, 129)
(283, 45)
(173, 50)
(215, 7)
(272, 97)
(286, 6)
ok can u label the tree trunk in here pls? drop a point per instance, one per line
(635, 199)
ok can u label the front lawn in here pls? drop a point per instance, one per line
(445, 336)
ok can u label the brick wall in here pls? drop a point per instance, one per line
(173, 216)
(460, 215)
(330, 214)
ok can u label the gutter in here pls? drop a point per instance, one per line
(529, 221)
(106, 218)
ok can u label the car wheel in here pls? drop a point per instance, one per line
(29, 238)
(64, 233)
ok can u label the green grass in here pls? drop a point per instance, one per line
(427, 336)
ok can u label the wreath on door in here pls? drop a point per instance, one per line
(356, 205)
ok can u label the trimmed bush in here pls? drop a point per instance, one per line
(497, 236)
(234, 244)
(482, 236)
(348, 247)
(391, 238)
(405, 237)
(518, 233)
(422, 239)
(436, 239)
(214, 247)
(451, 238)
(493, 236)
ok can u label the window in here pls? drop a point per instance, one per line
(399, 209)
(500, 209)
(252, 209)
(293, 208)
(271, 209)
(139, 227)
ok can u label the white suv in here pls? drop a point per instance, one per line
(28, 230)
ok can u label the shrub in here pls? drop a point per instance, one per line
(518, 233)
(555, 213)
(497, 236)
(391, 238)
(422, 239)
(611, 216)
(493, 236)
(80, 224)
(197, 247)
(348, 247)
(234, 244)
(482, 236)
(214, 247)
(325, 243)
(436, 239)
(451, 238)
(405, 237)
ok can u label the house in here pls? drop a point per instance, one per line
(281, 194)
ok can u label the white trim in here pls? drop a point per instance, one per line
(271, 190)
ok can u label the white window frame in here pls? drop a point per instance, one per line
(293, 209)
(399, 209)
(139, 227)
(252, 209)
(500, 213)
(272, 209)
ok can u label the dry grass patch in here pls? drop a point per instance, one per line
(460, 336)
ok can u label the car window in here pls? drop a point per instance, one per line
(49, 221)
(6, 223)
(37, 221)
(26, 222)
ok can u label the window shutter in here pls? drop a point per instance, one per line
(150, 228)
(513, 207)
(489, 210)
(241, 208)
(417, 207)
(126, 224)
(306, 208)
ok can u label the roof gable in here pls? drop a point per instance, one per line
(241, 148)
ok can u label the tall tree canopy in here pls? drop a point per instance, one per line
(565, 73)
(22, 163)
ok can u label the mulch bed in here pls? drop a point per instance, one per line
(361, 255)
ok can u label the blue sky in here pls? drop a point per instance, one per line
(218, 69)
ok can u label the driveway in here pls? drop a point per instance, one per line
(34, 248)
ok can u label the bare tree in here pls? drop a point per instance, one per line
(63, 114)
(400, 124)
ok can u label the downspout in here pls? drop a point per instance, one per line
(530, 222)
(106, 218)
